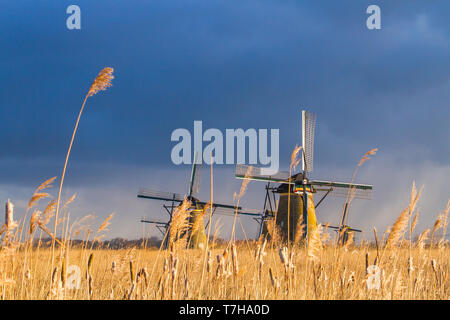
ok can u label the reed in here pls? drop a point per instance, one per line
(101, 82)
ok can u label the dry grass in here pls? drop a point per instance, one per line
(335, 274)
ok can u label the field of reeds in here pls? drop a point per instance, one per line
(250, 271)
(393, 266)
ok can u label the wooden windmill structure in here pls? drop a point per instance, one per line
(296, 192)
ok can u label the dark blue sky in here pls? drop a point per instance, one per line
(231, 64)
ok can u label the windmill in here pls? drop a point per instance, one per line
(296, 192)
(197, 208)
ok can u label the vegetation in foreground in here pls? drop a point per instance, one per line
(250, 273)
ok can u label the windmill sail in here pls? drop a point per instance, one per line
(308, 128)
(341, 189)
(242, 211)
(160, 195)
(243, 172)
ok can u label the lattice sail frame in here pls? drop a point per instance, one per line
(160, 195)
(341, 189)
(308, 128)
(254, 173)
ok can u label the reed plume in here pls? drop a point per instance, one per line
(102, 81)
(351, 189)
(238, 197)
(38, 195)
(399, 227)
(314, 243)
(274, 231)
(49, 211)
(422, 238)
(70, 200)
(180, 224)
(414, 222)
(441, 222)
(105, 223)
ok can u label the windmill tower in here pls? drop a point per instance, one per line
(295, 192)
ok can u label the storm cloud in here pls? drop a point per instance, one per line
(247, 64)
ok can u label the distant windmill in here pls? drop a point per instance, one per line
(301, 192)
(172, 200)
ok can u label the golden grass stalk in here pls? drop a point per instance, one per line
(44, 228)
(351, 190)
(238, 197)
(399, 227)
(314, 243)
(441, 223)
(106, 223)
(101, 82)
(274, 231)
(179, 225)
(35, 217)
(283, 253)
(234, 259)
(70, 200)
(273, 280)
(422, 238)
(414, 222)
(90, 260)
(49, 211)
(295, 160)
(444, 227)
(37, 195)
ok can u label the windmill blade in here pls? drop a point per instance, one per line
(341, 189)
(243, 211)
(155, 222)
(243, 172)
(218, 205)
(160, 195)
(348, 228)
(161, 226)
(194, 185)
(308, 128)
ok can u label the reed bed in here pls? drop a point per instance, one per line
(151, 274)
